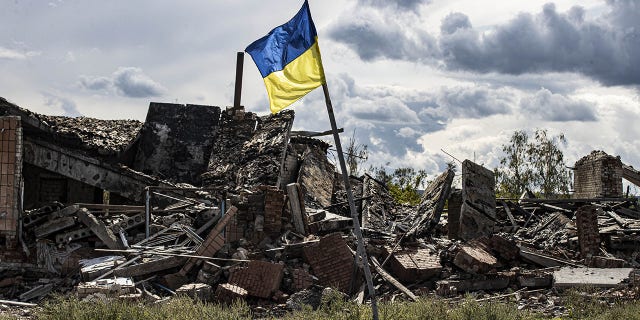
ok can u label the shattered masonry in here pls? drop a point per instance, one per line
(242, 208)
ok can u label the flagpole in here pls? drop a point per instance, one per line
(361, 252)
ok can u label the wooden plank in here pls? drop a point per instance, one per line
(620, 220)
(297, 208)
(392, 280)
(18, 303)
(510, 216)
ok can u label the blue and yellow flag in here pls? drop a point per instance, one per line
(289, 60)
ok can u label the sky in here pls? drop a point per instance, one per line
(417, 81)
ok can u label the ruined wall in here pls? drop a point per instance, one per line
(10, 175)
(316, 176)
(478, 211)
(248, 150)
(176, 141)
(598, 175)
(42, 187)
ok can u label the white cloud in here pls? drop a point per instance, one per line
(126, 81)
(10, 54)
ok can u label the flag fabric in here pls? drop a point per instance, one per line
(289, 60)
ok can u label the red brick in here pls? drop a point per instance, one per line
(474, 259)
(411, 265)
(260, 278)
(332, 262)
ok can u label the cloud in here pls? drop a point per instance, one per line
(475, 102)
(10, 54)
(605, 48)
(126, 81)
(376, 33)
(548, 106)
(410, 5)
(68, 107)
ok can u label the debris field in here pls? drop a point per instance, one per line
(224, 204)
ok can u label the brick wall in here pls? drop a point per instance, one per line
(274, 201)
(411, 265)
(301, 279)
(588, 233)
(10, 174)
(598, 175)
(331, 261)
(260, 278)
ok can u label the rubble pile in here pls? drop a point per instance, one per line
(269, 224)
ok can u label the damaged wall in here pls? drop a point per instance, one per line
(249, 150)
(478, 212)
(10, 175)
(598, 175)
(176, 141)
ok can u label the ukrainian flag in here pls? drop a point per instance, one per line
(289, 60)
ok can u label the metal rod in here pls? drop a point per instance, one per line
(238, 93)
(352, 206)
(147, 210)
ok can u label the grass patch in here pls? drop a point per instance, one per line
(579, 305)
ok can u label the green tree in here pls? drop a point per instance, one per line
(403, 183)
(533, 164)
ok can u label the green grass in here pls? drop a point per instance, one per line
(580, 304)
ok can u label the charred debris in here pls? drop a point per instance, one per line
(224, 204)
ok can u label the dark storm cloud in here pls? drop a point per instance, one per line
(549, 106)
(604, 48)
(126, 81)
(607, 49)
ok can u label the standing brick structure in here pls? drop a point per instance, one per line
(588, 234)
(10, 176)
(598, 175)
(478, 212)
(274, 201)
(331, 261)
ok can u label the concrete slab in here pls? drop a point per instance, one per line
(597, 277)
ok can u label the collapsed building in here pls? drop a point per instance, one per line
(224, 204)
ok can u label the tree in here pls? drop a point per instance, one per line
(536, 165)
(403, 183)
(356, 153)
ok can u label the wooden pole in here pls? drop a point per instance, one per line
(239, 68)
(352, 206)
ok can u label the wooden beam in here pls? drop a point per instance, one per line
(392, 280)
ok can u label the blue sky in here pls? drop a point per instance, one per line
(412, 77)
